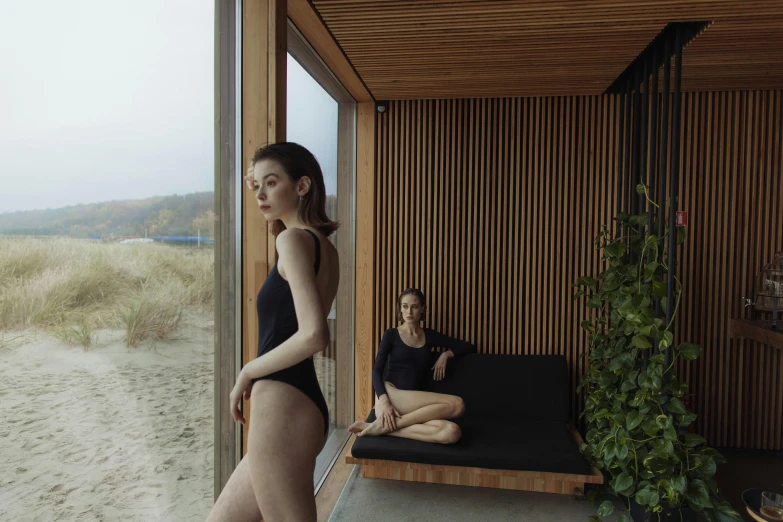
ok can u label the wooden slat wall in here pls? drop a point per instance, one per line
(405, 49)
(490, 206)
(734, 193)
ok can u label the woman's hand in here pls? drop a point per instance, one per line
(241, 389)
(250, 179)
(386, 413)
(440, 366)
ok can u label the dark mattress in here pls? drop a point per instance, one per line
(516, 418)
(528, 446)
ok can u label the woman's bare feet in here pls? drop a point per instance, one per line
(358, 427)
(364, 429)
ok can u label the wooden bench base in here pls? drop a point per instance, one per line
(545, 482)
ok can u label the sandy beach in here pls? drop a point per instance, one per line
(107, 381)
(110, 433)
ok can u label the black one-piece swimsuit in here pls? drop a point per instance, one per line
(276, 323)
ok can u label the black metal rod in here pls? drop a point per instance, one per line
(652, 173)
(652, 177)
(662, 166)
(643, 137)
(637, 123)
(627, 146)
(673, 188)
(621, 154)
(641, 160)
(688, 31)
(641, 169)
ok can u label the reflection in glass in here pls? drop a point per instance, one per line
(312, 122)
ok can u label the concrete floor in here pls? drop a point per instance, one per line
(376, 500)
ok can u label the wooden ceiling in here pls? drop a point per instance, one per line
(418, 49)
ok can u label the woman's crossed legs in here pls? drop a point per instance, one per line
(423, 417)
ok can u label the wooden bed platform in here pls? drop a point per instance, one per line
(540, 481)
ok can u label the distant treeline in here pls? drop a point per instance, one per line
(177, 215)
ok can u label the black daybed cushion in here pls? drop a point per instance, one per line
(515, 445)
(516, 412)
(531, 386)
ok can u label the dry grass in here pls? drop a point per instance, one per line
(150, 316)
(71, 335)
(70, 287)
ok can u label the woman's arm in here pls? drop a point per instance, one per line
(297, 254)
(456, 346)
(380, 364)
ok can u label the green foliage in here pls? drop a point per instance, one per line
(634, 415)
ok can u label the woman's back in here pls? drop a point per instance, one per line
(277, 318)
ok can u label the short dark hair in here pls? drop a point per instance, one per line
(298, 162)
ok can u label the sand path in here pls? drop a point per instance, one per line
(112, 433)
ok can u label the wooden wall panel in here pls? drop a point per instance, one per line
(734, 194)
(365, 256)
(490, 206)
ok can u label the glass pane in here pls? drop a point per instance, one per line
(106, 260)
(312, 122)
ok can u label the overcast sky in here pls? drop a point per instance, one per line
(103, 100)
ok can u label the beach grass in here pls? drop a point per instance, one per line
(70, 287)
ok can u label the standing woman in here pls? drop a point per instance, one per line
(288, 414)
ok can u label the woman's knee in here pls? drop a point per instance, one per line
(449, 433)
(458, 407)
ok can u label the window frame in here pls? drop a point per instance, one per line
(228, 235)
(347, 111)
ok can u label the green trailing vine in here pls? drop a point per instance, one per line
(637, 423)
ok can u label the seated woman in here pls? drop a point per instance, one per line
(404, 356)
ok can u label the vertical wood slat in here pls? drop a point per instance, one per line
(519, 189)
(367, 237)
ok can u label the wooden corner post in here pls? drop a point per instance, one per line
(264, 55)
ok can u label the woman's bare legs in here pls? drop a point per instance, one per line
(438, 431)
(418, 410)
(285, 436)
(236, 502)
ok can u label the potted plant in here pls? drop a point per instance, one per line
(636, 421)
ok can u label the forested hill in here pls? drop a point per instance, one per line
(162, 215)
